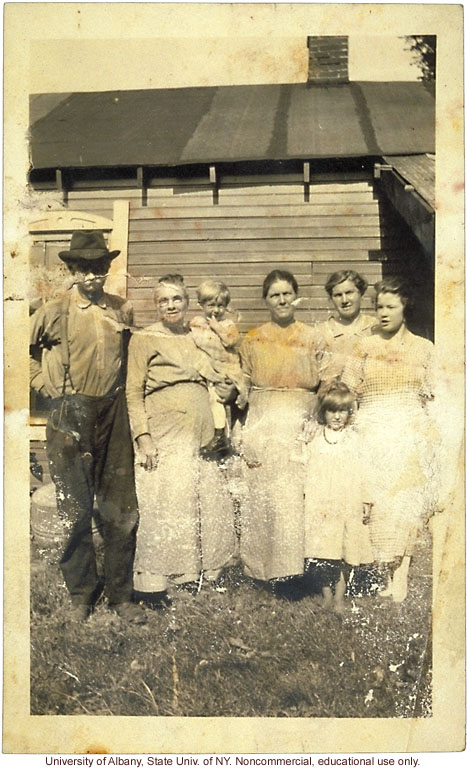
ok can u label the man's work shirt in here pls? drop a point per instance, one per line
(94, 340)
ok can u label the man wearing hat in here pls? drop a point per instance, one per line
(81, 342)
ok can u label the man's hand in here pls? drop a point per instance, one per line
(225, 391)
(367, 512)
(147, 451)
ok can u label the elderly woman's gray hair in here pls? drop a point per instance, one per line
(171, 279)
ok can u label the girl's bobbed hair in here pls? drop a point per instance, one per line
(335, 398)
(279, 275)
(398, 286)
(346, 275)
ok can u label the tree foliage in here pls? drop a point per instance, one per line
(424, 49)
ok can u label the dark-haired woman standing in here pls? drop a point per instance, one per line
(391, 373)
(282, 361)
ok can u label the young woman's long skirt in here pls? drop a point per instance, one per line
(403, 475)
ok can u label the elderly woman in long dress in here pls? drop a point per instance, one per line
(391, 373)
(282, 361)
(186, 519)
(347, 324)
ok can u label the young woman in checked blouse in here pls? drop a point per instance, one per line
(391, 373)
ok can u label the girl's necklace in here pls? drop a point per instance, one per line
(325, 433)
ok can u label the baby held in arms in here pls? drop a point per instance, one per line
(216, 334)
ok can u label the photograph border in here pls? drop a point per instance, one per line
(26, 734)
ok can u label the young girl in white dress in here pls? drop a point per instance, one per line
(336, 512)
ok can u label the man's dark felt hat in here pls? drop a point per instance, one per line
(87, 245)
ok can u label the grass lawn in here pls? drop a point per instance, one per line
(235, 652)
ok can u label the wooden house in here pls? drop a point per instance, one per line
(233, 181)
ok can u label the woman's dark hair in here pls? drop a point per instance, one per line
(334, 399)
(346, 275)
(279, 275)
(397, 286)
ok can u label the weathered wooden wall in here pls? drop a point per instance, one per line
(247, 227)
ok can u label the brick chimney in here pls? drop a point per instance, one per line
(328, 59)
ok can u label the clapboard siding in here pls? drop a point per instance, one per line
(205, 268)
(249, 226)
(245, 293)
(180, 195)
(172, 194)
(250, 250)
(326, 181)
(225, 206)
(284, 226)
(272, 210)
(249, 285)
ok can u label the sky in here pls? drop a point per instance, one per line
(58, 66)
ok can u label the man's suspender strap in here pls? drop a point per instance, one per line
(64, 342)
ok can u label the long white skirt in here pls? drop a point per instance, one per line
(402, 477)
(272, 514)
(186, 513)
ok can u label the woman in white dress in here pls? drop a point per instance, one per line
(281, 360)
(392, 374)
(186, 525)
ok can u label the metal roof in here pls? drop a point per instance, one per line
(417, 170)
(167, 127)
